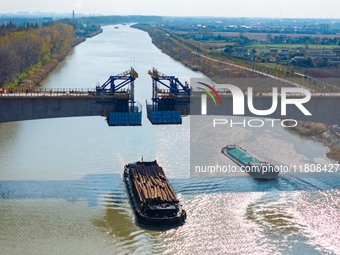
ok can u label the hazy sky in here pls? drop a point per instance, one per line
(225, 8)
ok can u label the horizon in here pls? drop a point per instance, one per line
(288, 9)
(80, 15)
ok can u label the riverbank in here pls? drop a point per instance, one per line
(37, 74)
(220, 68)
(216, 71)
(323, 134)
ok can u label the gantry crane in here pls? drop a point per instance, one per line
(169, 102)
(125, 78)
(125, 112)
(176, 88)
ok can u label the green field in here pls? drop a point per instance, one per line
(265, 46)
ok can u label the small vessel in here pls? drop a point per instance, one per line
(251, 165)
(116, 27)
(152, 197)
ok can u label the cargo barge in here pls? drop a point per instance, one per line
(152, 198)
(251, 165)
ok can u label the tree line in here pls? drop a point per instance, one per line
(20, 51)
(12, 27)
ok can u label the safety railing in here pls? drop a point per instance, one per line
(55, 92)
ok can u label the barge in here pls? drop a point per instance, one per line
(251, 165)
(152, 197)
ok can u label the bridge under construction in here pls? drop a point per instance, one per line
(115, 100)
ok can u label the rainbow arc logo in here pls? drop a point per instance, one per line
(208, 92)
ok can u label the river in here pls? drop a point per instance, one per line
(61, 188)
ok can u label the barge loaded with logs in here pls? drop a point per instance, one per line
(152, 197)
(251, 165)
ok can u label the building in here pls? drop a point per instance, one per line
(337, 52)
(273, 51)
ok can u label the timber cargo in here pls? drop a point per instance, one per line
(251, 165)
(152, 197)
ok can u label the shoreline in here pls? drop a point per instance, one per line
(321, 133)
(218, 68)
(332, 142)
(33, 80)
(215, 70)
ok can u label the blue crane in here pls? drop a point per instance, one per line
(110, 87)
(176, 88)
(124, 112)
(169, 103)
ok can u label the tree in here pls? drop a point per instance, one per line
(22, 50)
(229, 49)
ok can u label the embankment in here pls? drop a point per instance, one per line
(217, 71)
(221, 69)
(36, 72)
(321, 133)
(37, 76)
